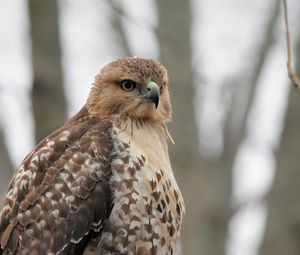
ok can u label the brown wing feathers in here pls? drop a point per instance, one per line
(53, 194)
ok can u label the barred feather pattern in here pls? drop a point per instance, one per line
(50, 205)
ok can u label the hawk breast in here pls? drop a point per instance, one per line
(147, 204)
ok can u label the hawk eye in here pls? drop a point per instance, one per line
(128, 85)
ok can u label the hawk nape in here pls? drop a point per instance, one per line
(102, 183)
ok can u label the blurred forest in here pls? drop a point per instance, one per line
(235, 122)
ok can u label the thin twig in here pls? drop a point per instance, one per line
(291, 70)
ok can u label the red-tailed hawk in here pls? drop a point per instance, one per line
(102, 183)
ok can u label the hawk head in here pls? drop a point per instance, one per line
(131, 87)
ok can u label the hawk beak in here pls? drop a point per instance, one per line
(152, 93)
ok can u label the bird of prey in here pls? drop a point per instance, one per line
(102, 183)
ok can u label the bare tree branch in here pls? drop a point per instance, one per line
(291, 70)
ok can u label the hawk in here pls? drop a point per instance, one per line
(102, 183)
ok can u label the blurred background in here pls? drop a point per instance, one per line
(236, 119)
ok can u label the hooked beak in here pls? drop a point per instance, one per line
(152, 93)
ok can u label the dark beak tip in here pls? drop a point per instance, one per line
(153, 93)
(155, 99)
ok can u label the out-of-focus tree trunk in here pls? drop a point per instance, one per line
(175, 52)
(282, 235)
(47, 94)
(5, 168)
(205, 221)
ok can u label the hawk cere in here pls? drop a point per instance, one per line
(102, 183)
